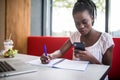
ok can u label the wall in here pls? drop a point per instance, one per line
(41, 17)
(36, 17)
(15, 20)
(2, 23)
(18, 23)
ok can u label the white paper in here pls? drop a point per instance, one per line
(37, 62)
(62, 63)
(73, 65)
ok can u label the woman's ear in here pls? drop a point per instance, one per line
(92, 18)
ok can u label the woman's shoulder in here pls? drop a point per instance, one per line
(75, 34)
(106, 36)
(75, 37)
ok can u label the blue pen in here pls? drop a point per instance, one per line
(45, 50)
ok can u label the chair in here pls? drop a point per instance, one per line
(114, 73)
(35, 45)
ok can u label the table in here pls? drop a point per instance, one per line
(93, 72)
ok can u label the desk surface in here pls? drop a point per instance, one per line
(93, 72)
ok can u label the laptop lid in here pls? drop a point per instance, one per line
(18, 66)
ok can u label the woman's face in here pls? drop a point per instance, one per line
(83, 21)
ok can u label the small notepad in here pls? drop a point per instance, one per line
(63, 64)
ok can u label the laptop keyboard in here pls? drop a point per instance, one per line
(5, 67)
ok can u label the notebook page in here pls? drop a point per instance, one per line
(37, 62)
(72, 64)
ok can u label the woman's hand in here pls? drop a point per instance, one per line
(45, 59)
(83, 55)
(86, 56)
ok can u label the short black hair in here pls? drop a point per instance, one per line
(82, 5)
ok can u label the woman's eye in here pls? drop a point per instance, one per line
(84, 22)
(77, 24)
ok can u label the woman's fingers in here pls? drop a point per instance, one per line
(79, 55)
(45, 59)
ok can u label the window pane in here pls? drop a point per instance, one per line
(62, 19)
(100, 20)
(115, 16)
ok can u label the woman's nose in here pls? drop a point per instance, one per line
(81, 26)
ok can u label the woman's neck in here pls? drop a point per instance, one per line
(91, 33)
(90, 38)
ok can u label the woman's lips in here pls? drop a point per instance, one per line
(82, 31)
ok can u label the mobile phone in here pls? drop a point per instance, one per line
(79, 46)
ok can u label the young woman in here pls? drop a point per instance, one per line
(98, 45)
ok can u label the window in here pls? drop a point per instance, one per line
(100, 20)
(62, 19)
(115, 17)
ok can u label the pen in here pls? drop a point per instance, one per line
(45, 50)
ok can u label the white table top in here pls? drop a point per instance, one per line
(93, 72)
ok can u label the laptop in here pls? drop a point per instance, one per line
(15, 67)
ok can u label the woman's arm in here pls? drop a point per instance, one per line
(107, 57)
(59, 53)
(85, 55)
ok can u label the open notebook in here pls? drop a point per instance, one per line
(62, 63)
